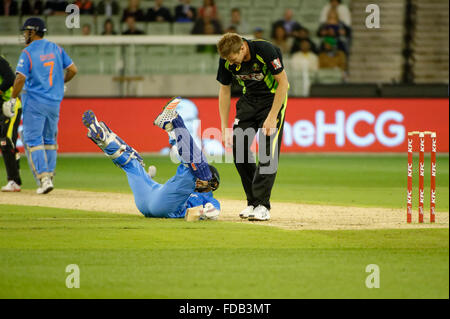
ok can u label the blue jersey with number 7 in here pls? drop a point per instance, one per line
(43, 64)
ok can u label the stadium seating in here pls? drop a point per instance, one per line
(376, 55)
(56, 25)
(329, 76)
(431, 44)
(159, 28)
(9, 25)
(182, 27)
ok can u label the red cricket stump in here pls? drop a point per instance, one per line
(421, 174)
(433, 178)
(410, 170)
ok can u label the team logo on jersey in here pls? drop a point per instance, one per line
(252, 76)
(276, 64)
(256, 67)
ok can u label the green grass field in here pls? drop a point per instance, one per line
(125, 256)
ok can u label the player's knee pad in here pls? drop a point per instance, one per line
(37, 160)
(121, 153)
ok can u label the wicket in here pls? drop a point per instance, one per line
(421, 175)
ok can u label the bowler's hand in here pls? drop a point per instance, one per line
(270, 125)
(227, 137)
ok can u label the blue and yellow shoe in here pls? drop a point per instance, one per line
(168, 114)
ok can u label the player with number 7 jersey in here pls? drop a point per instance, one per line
(41, 72)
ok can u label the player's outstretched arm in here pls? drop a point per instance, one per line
(71, 71)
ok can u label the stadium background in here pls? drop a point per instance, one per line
(399, 70)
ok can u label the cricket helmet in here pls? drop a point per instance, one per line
(35, 24)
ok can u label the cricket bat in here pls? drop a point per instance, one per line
(193, 214)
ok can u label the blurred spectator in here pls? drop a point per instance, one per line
(86, 29)
(341, 9)
(331, 56)
(258, 33)
(32, 7)
(134, 11)
(184, 12)
(86, 6)
(237, 22)
(287, 22)
(56, 7)
(108, 27)
(108, 8)
(209, 29)
(209, 8)
(300, 35)
(207, 25)
(335, 28)
(131, 26)
(204, 24)
(305, 59)
(9, 8)
(231, 29)
(281, 39)
(159, 13)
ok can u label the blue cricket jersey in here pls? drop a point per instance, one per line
(201, 199)
(43, 64)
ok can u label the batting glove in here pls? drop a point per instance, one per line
(8, 107)
(209, 212)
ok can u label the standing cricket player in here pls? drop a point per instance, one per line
(258, 67)
(193, 183)
(40, 72)
(8, 129)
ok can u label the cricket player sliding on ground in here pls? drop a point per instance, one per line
(192, 184)
(40, 71)
(258, 67)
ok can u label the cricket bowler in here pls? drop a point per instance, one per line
(258, 67)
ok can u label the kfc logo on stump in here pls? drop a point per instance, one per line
(276, 64)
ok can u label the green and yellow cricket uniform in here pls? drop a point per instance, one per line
(9, 126)
(258, 87)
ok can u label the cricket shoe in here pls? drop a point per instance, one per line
(12, 186)
(168, 114)
(259, 213)
(247, 211)
(46, 186)
(95, 132)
